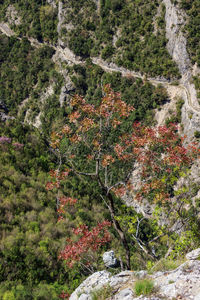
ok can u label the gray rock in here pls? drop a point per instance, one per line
(84, 297)
(183, 282)
(176, 41)
(65, 91)
(147, 298)
(197, 297)
(93, 282)
(126, 294)
(121, 278)
(141, 274)
(110, 260)
(13, 15)
(195, 254)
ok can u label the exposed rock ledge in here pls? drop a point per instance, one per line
(181, 283)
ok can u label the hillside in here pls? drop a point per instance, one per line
(149, 51)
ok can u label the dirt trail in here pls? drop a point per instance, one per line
(67, 55)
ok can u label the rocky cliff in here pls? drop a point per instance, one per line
(181, 283)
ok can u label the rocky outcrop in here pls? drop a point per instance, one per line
(176, 45)
(181, 283)
(52, 3)
(5, 29)
(13, 16)
(65, 91)
(195, 254)
(96, 280)
(175, 20)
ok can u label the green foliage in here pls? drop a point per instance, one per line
(192, 28)
(144, 287)
(26, 73)
(136, 46)
(107, 51)
(187, 241)
(196, 80)
(80, 44)
(197, 134)
(141, 94)
(22, 67)
(38, 19)
(176, 116)
(31, 237)
(30, 234)
(11, 290)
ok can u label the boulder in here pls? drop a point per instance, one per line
(94, 282)
(110, 260)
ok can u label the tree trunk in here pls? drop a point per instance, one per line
(119, 230)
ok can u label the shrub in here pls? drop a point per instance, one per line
(144, 287)
(197, 134)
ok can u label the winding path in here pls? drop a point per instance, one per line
(67, 55)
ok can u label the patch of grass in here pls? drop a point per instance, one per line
(165, 265)
(171, 281)
(102, 293)
(144, 287)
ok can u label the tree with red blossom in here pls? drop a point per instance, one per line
(88, 242)
(101, 142)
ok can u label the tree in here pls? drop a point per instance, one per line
(100, 141)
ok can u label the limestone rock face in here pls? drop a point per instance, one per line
(182, 283)
(95, 281)
(176, 41)
(65, 91)
(126, 294)
(175, 21)
(13, 16)
(195, 254)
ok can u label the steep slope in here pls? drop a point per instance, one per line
(147, 50)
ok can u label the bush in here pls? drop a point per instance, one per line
(107, 51)
(144, 287)
(197, 134)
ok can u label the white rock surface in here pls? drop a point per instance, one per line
(175, 21)
(182, 283)
(195, 254)
(95, 281)
(126, 294)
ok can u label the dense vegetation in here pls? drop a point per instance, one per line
(89, 78)
(192, 8)
(196, 80)
(23, 67)
(37, 18)
(122, 31)
(129, 33)
(26, 73)
(31, 236)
